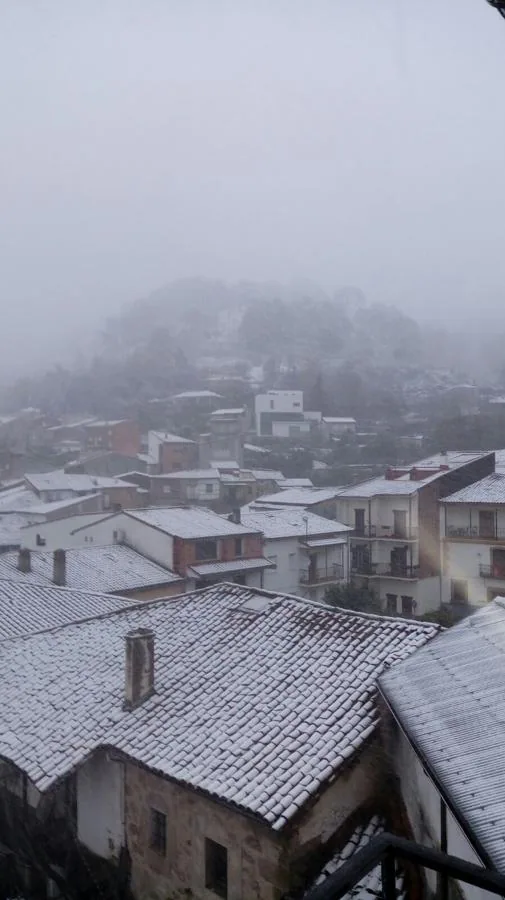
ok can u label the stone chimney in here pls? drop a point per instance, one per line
(139, 674)
(24, 560)
(59, 568)
(235, 516)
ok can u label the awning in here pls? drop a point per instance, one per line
(325, 542)
(234, 565)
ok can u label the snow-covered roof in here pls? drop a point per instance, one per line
(299, 496)
(267, 475)
(428, 470)
(450, 699)
(224, 465)
(166, 437)
(195, 395)
(59, 480)
(376, 487)
(31, 608)
(10, 528)
(110, 569)
(232, 565)
(190, 522)
(339, 420)
(259, 698)
(370, 886)
(286, 483)
(236, 411)
(490, 489)
(291, 522)
(196, 474)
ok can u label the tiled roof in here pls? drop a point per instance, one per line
(232, 565)
(107, 569)
(267, 474)
(30, 608)
(371, 885)
(165, 437)
(189, 473)
(299, 496)
(60, 480)
(450, 698)
(339, 420)
(291, 522)
(259, 698)
(488, 490)
(286, 483)
(190, 522)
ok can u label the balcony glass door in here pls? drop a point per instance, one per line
(400, 523)
(486, 523)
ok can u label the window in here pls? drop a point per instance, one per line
(296, 404)
(205, 550)
(292, 562)
(459, 591)
(40, 541)
(167, 489)
(209, 488)
(216, 868)
(407, 606)
(271, 404)
(238, 546)
(158, 840)
(391, 604)
(359, 521)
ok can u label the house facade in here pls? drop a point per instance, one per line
(171, 452)
(473, 543)
(442, 722)
(395, 546)
(201, 486)
(277, 407)
(309, 553)
(143, 739)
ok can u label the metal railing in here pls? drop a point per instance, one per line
(385, 850)
(495, 570)
(320, 575)
(492, 534)
(386, 532)
(385, 569)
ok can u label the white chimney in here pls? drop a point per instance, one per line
(59, 568)
(139, 674)
(24, 560)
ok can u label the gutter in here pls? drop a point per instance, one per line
(472, 840)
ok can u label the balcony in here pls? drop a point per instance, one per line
(473, 533)
(385, 570)
(323, 575)
(385, 532)
(495, 570)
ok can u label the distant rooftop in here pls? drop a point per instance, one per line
(339, 420)
(189, 522)
(299, 496)
(238, 411)
(291, 522)
(166, 437)
(59, 480)
(109, 569)
(197, 474)
(195, 395)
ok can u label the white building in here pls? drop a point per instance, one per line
(335, 426)
(309, 553)
(277, 407)
(395, 547)
(444, 734)
(473, 542)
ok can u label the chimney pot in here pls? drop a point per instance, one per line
(139, 672)
(24, 560)
(59, 568)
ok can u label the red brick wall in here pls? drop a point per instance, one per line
(123, 437)
(178, 457)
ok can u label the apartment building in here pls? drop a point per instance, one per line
(473, 543)
(169, 452)
(121, 435)
(395, 546)
(280, 408)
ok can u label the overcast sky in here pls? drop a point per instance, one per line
(345, 141)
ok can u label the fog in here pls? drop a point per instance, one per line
(344, 141)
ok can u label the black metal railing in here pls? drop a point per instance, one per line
(322, 574)
(388, 532)
(385, 850)
(386, 569)
(495, 570)
(474, 532)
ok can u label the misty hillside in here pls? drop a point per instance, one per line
(157, 346)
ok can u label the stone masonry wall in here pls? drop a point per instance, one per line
(254, 852)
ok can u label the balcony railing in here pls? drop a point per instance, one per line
(321, 575)
(495, 570)
(474, 532)
(386, 532)
(385, 569)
